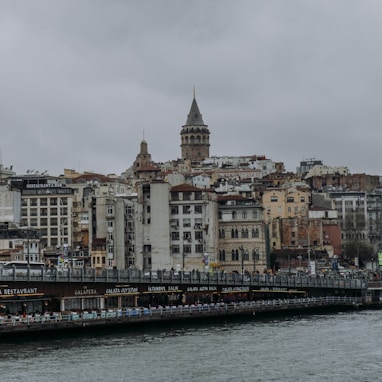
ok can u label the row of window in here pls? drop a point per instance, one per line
(244, 233)
(62, 211)
(43, 222)
(35, 202)
(187, 222)
(289, 199)
(187, 248)
(187, 209)
(187, 235)
(243, 215)
(186, 196)
(236, 256)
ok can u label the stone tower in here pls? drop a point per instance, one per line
(143, 159)
(195, 136)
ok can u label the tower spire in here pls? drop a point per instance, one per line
(195, 135)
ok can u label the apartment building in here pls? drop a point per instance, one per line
(46, 204)
(193, 227)
(242, 234)
(289, 201)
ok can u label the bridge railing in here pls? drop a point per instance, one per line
(180, 310)
(184, 278)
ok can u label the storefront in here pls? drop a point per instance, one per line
(22, 300)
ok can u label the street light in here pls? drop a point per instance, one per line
(255, 257)
(306, 228)
(243, 252)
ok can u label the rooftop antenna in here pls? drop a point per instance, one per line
(193, 91)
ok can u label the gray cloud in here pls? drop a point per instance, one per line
(82, 81)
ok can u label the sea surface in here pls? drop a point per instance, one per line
(333, 347)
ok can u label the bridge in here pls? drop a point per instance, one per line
(79, 289)
(54, 299)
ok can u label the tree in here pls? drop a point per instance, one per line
(360, 249)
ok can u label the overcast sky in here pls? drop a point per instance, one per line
(83, 81)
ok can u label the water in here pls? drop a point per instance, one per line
(334, 347)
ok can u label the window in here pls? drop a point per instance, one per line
(274, 198)
(198, 209)
(199, 248)
(187, 248)
(186, 195)
(244, 233)
(64, 211)
(290, 199)
(255, 232)
(198, 235)
(186, 210)
(175, 196)
(33, 211)
(187, 236)
(234, 233)
(221, 233)
(174, 210)
(198, 195)
(174, 223)
(186, 222)
(244, 214)
(198, 224)
(110, 224)
(175, 235)
(235, 255)
(175, 249)
(222, 255)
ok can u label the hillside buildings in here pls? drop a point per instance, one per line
(235, 214)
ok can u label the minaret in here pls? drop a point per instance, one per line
(195, 136)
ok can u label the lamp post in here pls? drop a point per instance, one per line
(244, 256)
(306, 228)
(30, 244)
(307, 231)
(255, 257)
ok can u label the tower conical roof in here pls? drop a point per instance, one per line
(194, 117)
